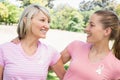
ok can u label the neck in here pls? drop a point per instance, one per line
(29, 42)
(98, 52)
(29, 46)
(100, 48)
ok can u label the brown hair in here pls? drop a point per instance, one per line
(110, 19)
(116, 45)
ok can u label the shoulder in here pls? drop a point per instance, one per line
(7, 45)
(78, 43)
(77, 46)
(116, 68)
(115, 63)
(47, 47)
(6, 48)
(49, 51)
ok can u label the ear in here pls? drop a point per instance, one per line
(108, 31)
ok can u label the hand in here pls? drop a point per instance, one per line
(16, 40)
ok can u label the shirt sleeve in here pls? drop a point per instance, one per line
(74, 45)
(55, 56)
(1, 58)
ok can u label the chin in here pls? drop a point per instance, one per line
(43, 37)
(88, 41)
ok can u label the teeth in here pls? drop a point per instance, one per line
(88, 34)
(44, 31)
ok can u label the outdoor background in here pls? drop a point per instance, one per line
(68, 20)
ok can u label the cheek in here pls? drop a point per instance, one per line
(99, 36)
(99, 31)
(35, 28)
(38, 24)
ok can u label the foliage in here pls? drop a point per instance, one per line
(91, 5)
(13, 13)
(118, 10)
(86, 15)
(88, 7)
(3, 12)
(52, 75)
(25, 2)
(45, 3)
(66, 18)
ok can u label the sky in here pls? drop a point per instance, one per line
(15, 2)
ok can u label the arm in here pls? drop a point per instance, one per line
(58, 68)
(65, 56)
(1, 72)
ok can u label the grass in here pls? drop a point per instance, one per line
(53, 76)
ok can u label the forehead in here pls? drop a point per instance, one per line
(40, 14)
(95, 18)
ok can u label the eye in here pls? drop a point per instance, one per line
(92, 25)
(48, 21)
(43, 20)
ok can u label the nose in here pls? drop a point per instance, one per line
(87, 29)
(46, 25)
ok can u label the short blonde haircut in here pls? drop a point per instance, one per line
(28, 13)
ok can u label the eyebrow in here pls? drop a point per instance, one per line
(42, 17)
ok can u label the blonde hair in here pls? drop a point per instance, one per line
(28, 13)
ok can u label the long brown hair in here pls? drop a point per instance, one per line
(116, 45)
(110, 19)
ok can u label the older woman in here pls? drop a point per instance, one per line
(30, 59)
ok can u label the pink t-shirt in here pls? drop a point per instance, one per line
(81, 68)
(19, 66)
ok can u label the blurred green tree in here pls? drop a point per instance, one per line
(67, 18)
(3, 12)
(13, 13)
(117, 10)
(90, 5)
(45, 3)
